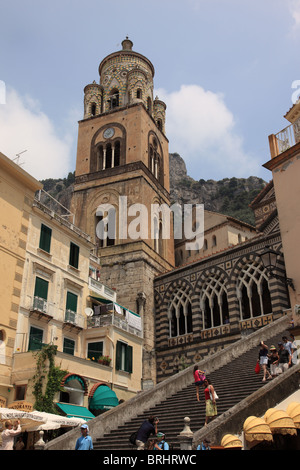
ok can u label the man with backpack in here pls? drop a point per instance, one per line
(147, 428)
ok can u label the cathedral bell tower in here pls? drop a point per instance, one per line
(123, 165)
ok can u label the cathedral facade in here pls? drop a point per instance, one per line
(122, 171)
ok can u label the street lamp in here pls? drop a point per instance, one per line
(269, 260)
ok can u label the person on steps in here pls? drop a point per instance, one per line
(199, 377)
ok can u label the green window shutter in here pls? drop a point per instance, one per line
(74, 255)
(69, 346)
(35, 339)
(128, 359)
(71, 303)
(95, 350)
(45, 238)
(41, 288)
(118, 355)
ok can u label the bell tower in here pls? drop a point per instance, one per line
(123, 165)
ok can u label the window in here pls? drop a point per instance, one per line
(71, 303)
(40, 295)
(95, 350)
(45, 238)
(69, 346)
(35, 339)
(20, 392)
(74, 255)
(124, 357)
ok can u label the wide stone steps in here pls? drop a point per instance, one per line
(233, 383)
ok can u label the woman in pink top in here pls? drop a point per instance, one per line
(199, 376)
(9, 434)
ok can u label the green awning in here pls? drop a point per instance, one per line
(101, 299)
(104, 398)
(75, 411)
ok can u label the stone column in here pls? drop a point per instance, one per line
(186, 436)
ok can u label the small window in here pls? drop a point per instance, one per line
(20, 392)
(45, 238)
(41, 288)
(123, 357)
(69, 346)
(95, 350)
(93, 109)
(139, 93)
(214, 240)
(71, 303)
(35, 339)
(74, 255)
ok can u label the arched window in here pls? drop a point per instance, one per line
(113, 100)
(93, 109)
(214, 240)
(155, 163)
(213, 301)
(253, 291)
(149, 105)
(139, 93)
(159, 124)
(180, 314)
(105, 226)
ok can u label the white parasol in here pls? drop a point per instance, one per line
(26, 418)
(52, 421)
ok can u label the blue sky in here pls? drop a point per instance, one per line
(225, 69)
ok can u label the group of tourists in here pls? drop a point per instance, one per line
(274, 361)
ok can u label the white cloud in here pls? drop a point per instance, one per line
(294, 8)
(23, 126)
(201, 129)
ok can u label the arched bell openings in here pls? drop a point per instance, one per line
(180, 312)
(155, 162)
(213, 299)
(108, 148)
(253, 290)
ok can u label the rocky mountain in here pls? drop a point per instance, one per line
(230, 196)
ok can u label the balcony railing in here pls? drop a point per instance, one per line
(74, 318)
(288, 137)
(98, 321)
(102, 290)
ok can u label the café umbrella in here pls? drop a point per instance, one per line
(53, 421)
(26, 418)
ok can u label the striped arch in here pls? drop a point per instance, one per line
(178, 301)
(77, 377)
(212, 292)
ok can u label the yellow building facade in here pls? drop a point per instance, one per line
(17, 190)
(60, 301)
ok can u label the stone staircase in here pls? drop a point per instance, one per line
(233, 382)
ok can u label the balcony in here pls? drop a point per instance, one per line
(41, 308)
(100, 289)
(99, 321)
(285, 139)
(73, 320)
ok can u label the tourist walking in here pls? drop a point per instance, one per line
(210, 401)
(284, 358)
(199, 377)
(147, 428)
(8, 435)
(273, 361)
(84, 442)
(263, 360)
(294, 351)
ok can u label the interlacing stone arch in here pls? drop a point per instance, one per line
(252, 287)
(211, 289)
(178, 299)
